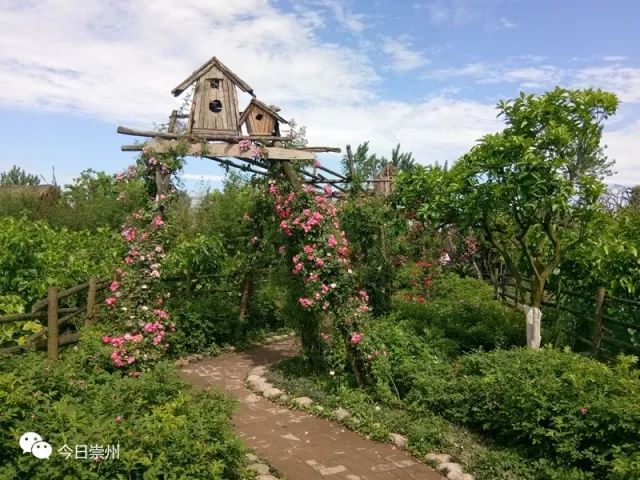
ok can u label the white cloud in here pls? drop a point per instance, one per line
(614, 58)
(456, 12)
(402, 55)
(118, 61)
(624, 81)
(623, 148)
(503, 23)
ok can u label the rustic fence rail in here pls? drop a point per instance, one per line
(57, 316)
(595, 312)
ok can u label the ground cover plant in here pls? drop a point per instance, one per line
(163, 429)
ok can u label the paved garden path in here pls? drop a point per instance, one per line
(300, 446)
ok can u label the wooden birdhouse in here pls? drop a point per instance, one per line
(214, 109)
(261, 119)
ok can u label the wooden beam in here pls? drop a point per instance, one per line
(232, 150)
(193, 137)
(229, 163)
(322, 149)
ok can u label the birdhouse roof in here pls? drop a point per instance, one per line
(389, 170)
(203, 69)
(269, 109)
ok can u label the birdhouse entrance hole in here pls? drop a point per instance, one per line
(215, 106)
(259, 117)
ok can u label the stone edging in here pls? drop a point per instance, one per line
(262, 469)
(257, 382)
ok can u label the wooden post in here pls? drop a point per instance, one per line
(187, 286)
(244, 301)
(350, 163)
(52, 324)
(91, 300)
(598, 328)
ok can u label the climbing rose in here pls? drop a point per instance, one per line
(157, 221)
(305, 302)
(114, 286)
(356, 338)
(111, 301)
(332, 241)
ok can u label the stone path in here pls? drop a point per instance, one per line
(297, 444)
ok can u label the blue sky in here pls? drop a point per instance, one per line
(423, 73)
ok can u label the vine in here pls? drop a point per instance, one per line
(137, 297)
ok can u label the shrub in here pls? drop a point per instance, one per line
(159, 425)
(464, 310)
(555, 404)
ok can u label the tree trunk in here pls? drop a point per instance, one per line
(244, 301)
(532, 312)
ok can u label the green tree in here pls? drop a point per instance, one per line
(367, 165)
(17, 176)
(533, 188)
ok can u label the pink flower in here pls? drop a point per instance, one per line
(332, 241)
(305, 302)
(161, 313)
(584, 410)
(363, 295)
(313, 277)
(325, 305)
(158, 249)
(319, 262)
(297, 268)
(118, 419)
(154, 274)
(325, 288)
(129, 234)
(281, 250)
(356, 338)
(308, 249)
(114, 286)
(106, 339)
(316, 164)
(157, 221)
(144, 236)
(134, 374)
(325, 337)
(111, 301)
(128, 260)
(363, 309)
(327, 189)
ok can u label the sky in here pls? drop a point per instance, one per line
(426, 74)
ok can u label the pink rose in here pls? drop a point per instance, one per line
(356, 338)
(111, 301)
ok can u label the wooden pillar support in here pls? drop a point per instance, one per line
(91, 300)
(52, 324)
(598, 329)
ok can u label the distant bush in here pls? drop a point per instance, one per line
(464, 311)
(555, 404)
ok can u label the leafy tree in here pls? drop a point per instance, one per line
(533, 188)
(17, 176)
(367, 165)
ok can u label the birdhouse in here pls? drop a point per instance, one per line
(214, 109)
(261, 119)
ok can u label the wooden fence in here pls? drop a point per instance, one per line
(603, 324)
(49, 309)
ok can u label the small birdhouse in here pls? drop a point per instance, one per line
(214, 109)
(261, 119)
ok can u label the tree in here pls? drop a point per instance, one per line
(367, 165)
(533, 188)
(17, 176)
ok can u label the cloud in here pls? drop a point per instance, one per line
(202, 176)
(503, 23)
(622, 146)
(455, 12)
(403, 57)
(351, 21)
(624, 81)
(614, 58)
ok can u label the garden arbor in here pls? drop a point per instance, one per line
(323, 284)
